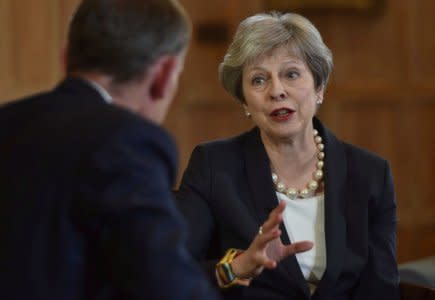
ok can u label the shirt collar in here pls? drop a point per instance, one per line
(102, 91)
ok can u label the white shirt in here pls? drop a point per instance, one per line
(103, 93)
(304, 219)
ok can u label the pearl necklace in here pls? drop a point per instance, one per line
(313, 185)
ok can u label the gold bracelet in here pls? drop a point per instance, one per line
(224, 271)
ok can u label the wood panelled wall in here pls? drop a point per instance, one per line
(381, 95)
(32, 38)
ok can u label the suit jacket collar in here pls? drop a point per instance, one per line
(79, 86)
(264, 200)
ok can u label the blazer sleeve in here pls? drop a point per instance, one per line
(193, 200)
(128, 213)
(380, 278)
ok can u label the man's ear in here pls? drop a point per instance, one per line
(161, 76)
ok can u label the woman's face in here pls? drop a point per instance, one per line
(279, 94)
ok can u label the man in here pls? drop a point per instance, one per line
(86, 209)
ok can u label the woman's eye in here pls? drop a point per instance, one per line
(292, 74)
(258, 80)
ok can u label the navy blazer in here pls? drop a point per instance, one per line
(86, 209)
(227, 193)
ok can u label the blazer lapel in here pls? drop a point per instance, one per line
(259, 178)
(335, 222)
(265, 200)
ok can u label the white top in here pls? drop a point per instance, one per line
(304, 220)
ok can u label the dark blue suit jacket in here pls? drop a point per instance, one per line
(227, 193)
(86, 210)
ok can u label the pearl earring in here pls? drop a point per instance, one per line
(319, 101)
(248, 114)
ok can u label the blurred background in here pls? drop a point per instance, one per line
(381, 95)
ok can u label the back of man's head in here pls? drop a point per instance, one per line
(122, 38)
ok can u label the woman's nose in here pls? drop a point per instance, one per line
(277, 90)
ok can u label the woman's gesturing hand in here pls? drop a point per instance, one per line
(266, 250)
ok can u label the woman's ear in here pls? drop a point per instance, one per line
(247, 112)
(319, 94)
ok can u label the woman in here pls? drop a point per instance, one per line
(286, 210)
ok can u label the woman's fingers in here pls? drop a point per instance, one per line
(267, 249)
(297, 247)
(275, 217)
(270, 264)
(264, 238)
(270, 231)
